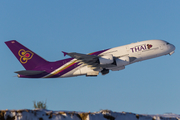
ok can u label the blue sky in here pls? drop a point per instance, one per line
(49, 27)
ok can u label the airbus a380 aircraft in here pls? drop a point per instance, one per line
(87, 64)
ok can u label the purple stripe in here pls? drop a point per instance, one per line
(76, 65)
(66, 70)
(50, 67)
(56, 65)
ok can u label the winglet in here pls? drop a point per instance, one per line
(65, 53)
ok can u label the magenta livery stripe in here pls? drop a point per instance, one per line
(65, 69)
(60, 70)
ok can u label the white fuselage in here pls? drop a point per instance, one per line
(91, 64)
(135, 52)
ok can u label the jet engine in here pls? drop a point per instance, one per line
(122, 61)
(106, 59)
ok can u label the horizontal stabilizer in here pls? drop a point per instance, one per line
(29, 72)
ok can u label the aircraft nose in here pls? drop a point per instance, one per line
(172, 48)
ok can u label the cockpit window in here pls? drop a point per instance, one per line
(167, 43)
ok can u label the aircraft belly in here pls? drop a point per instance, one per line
(153, 53)
(75, 72)
(84, 70)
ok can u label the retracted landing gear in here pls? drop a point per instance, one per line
(105, 71)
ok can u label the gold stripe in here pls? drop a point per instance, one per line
(60, 70)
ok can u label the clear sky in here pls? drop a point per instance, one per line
(49, 27)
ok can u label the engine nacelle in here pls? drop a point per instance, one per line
(106, 59)
(118, 68)
(122, 61)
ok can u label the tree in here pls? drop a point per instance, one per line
(40, 104)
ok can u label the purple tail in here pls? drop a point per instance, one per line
(26, 57)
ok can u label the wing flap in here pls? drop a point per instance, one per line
(89, 60)
(80, 56)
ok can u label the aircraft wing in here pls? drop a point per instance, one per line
(89, 60)
(80, 56)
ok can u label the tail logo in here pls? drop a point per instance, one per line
(25, 56)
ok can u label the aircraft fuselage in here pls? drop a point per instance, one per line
(91, 64)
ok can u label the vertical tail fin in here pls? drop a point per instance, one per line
(26, 57)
